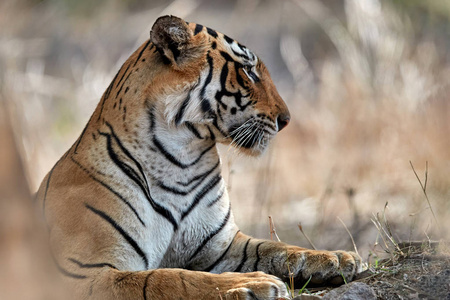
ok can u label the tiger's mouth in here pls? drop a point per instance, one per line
(251, 135)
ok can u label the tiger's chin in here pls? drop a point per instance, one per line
(254, 149)
(250, 138)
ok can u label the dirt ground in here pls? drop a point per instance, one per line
(423, 272)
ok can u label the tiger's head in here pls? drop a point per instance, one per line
(222, 88)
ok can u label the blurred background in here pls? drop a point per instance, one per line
(366, 82)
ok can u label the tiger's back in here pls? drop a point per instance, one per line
(140, 196)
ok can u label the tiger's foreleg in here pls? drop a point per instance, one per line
(247, 254)
(161, 284)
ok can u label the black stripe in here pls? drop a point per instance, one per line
(157, 207)
(226, 56)
(258, 258)
(184, 105)
(240, 80)
(123, 75)
(122, 232)
(223, 80)
(209, 186)
(151, 116)
(211, 267)
(110, 189)
(223, 91)
(180, 112)
(218, 128)
(194, 130)
(198, 28)
(244, 257)
(219, 113)
(212, 234)
(206, 106)
(127, 153)
(252, 295)
(123, 83)
(129, 171)
(228, 39)
(211, 32)
(211, 134)
(64, 271)
(90, 266)
(123, 277)
(217, 198)
(68, 274)
(241, 46)
(144, 289)
(223, 83)
(175, 161)
(244, 56)
(198, 178)
(140, 53)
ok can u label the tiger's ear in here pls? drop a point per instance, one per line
(175, 41)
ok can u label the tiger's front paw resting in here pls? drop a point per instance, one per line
(256, 285)
(324, 267)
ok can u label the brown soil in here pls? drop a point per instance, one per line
(414, 272)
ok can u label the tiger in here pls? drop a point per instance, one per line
(137, 208)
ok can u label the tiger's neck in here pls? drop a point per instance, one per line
(147, 153)
(183, 162)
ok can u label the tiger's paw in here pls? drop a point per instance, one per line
(323, 267)
(255, 285)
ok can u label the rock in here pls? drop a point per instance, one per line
(307, 297)
(351, 291)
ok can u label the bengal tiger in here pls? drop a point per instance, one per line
(137, 207)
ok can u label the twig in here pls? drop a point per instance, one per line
(424, 190)
(307, 238)
(386, 223)
(351, 236)
(273, 232)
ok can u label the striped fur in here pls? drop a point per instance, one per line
(137, 208)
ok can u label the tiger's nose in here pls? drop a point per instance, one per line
(283, 120)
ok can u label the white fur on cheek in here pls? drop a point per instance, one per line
(173, 100)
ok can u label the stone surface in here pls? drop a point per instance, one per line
(307, 297)
(351, 291)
